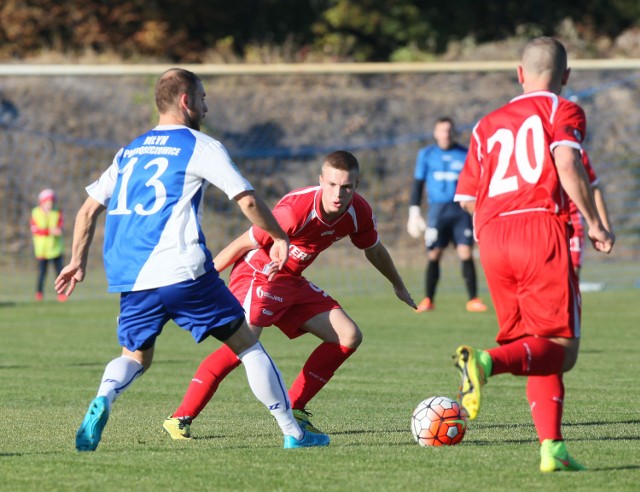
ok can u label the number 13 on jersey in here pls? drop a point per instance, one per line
(122, 205)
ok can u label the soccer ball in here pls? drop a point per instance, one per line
(438, 421)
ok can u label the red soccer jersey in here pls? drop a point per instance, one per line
(573, 209)
(299, 214)
(510, 167)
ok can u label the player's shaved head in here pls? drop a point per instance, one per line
(343, 160)
(171, 85)
(544, 64)
(545, 57)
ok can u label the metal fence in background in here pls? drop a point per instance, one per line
(62, 130)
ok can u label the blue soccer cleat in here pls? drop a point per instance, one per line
(309, 440)
(90, 431)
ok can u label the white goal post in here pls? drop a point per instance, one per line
(26, 69)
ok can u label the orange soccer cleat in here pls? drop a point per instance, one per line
(475, 305)
(425, 305)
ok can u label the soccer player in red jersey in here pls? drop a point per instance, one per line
(523, 161)
(314, 218)
(577, 240)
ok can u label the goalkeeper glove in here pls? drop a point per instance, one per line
(416, 224)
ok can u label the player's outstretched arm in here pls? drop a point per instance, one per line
(83, 231)
(234, 251)
(259, 214)
(380, 258)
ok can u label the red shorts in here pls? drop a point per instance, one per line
(576, 243)
(288, 301)
(526, 262)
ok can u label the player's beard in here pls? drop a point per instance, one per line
(194, 123)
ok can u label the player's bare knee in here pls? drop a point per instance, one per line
(351, 338)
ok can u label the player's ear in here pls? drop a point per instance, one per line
(520, 75)
(565, 76)
(184, 101)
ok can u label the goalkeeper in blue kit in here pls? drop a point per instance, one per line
(439, 165)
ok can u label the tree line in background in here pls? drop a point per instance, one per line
(359, 30)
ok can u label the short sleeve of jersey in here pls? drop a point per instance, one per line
(366, 233)
(570, 125)
(102, 189)
(214, 164)
(420, 172)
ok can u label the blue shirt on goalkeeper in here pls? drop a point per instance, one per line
(439, 168)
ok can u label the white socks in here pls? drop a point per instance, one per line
(263, 375)
(266, 383)
(117, 377)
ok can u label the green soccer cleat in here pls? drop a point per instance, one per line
(302, 417)
(90, 431)
(309, 440)
(474, 365)
(179, 428)
(554, 457)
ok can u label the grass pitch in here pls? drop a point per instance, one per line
(52, 357)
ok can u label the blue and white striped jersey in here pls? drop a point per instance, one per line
(153, 192)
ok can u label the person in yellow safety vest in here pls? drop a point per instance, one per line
(46, 228)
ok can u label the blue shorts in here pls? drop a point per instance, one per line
(200, 306)
(446, 223)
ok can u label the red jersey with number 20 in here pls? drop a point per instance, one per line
(509, 167)
(300, 216)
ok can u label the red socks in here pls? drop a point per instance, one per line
(541, 360)
(206, 380)
(546, 395)
(529, 356)
(317, 371)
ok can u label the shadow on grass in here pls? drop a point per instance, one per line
(614, 468)
(601, 422)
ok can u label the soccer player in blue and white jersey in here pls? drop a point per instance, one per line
(156, 257)
(439, 166)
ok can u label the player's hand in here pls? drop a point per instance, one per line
(416, 224)
(602, 239)
(68, 278)
(403, 294)
(279, 255)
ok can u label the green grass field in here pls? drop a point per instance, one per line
(52, 357)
